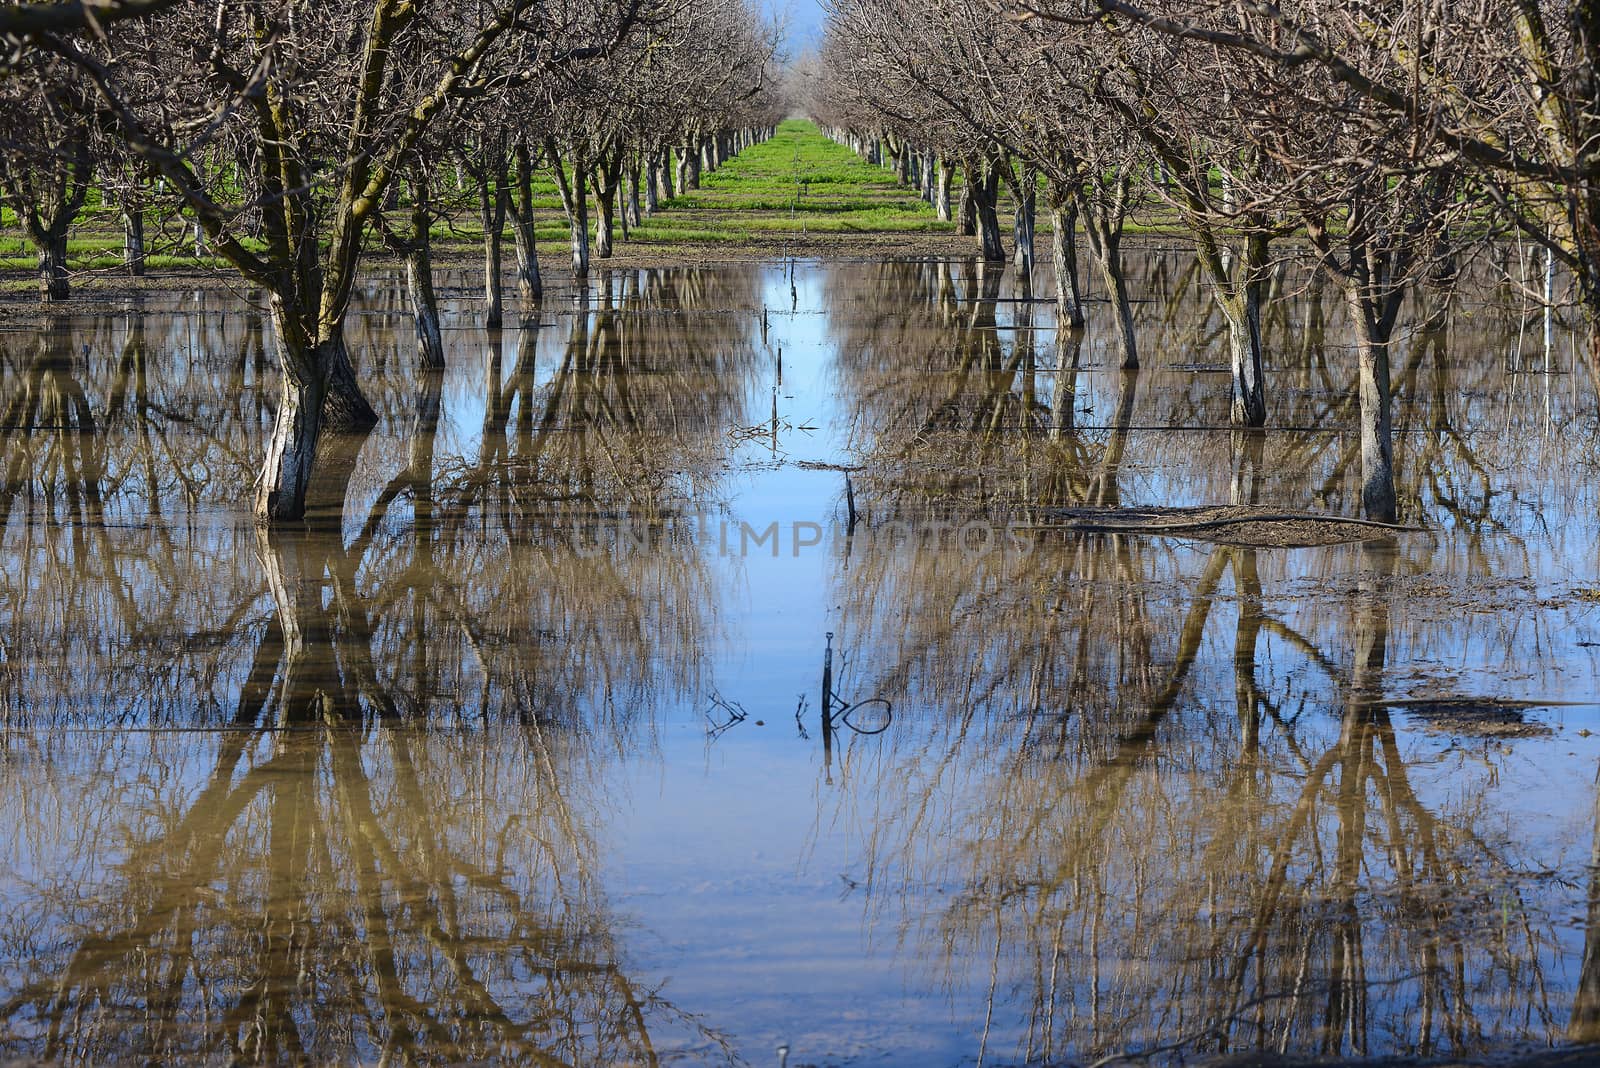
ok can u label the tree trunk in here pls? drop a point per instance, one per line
(941, 194)
(419, 276)
(317, 392)
(1022, 224)
(54, 282)
(652, 180)
(664, 172)
(985, 197)
(578, 222)
(607, 182)
(1249, 405)
(1377, 444)
(606, 224)
(575, 199)
(492, 215)
(345, 408)
(133, 241)
(1592, 343)
(689, 176)
(967, 220)
(424, 304)
(292, 449)
(530, 286)
(1103, 227)
(1064, 254)
(633, 212)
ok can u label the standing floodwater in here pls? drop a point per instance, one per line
(518, 753)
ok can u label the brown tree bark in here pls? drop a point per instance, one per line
(133, 245)
(1104, 212)
(419, 281)
(941, 192)
(575, 199)
(530, 284)
(1064, 257)
(986, 195)
(1373, 389)
(54, 282)
(492, 217)
(967, 212)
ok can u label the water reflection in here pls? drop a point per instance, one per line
(437, 888)
(975, 382)
(430, 779)
(249, 888)
(1132, 859)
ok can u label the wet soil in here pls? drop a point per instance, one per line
(103, 288)
(1242, 525)
(1485, 717)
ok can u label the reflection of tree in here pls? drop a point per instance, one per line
(433, 889)
(955, 405)
(533, 557)
(1152, 841)
(952, 396)
(344, 879)
(103, 508)
(49, 395)
(436, 894)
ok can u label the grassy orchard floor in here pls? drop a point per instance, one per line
(793, 186)
(798, 192)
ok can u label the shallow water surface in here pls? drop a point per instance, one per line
(522, 752)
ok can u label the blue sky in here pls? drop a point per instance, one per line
(804, 22)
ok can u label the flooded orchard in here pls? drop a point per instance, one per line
(744, 657)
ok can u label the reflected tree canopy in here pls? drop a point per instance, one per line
(415, 699)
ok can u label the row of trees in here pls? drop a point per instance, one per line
(1389, 139)
(297, 138)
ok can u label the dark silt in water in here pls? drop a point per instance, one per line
(520, 754)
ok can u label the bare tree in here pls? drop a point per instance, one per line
(46, 162)
(320, 111)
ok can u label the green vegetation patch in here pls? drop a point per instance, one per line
(796, 183)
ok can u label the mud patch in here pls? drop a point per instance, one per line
(822, 465)
(1229, 525)
(1474, 717)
